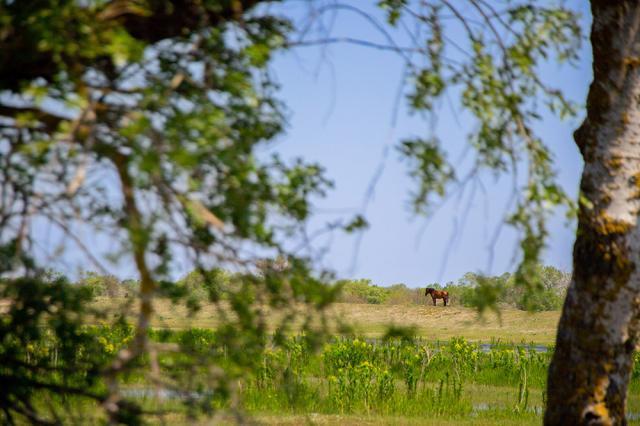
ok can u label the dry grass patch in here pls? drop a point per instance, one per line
(430, 322)
(443, 323)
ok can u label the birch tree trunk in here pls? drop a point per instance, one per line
(598, 329)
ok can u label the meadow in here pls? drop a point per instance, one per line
(363, 380)
(450, 368)
(370, 320)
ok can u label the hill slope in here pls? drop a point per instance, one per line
(438, 322)
(430, 322)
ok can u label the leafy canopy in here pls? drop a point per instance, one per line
(142, 121)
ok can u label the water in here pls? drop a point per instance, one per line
(483, 406)
(167, 394)
(486, 347)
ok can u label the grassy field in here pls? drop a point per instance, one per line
(318, 419)
(353, 382)
(430, 322)
(439, 322)
(443, 376)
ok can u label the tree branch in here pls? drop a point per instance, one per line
(49, 120)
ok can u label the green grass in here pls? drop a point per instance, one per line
(356, 381)
(342, 383)
(484, 419)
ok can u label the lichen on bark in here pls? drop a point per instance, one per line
(598, 330)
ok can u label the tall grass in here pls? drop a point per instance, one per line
(406, 377)
(393, 377)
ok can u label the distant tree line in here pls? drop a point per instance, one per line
(193, 285)
(471, 290)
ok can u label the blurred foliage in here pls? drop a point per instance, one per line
(45, 353)
(486, 60)
(108, 285)
(491, 292)
(362, 291)
(146, 122)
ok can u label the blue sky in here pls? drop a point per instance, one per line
(341, 100)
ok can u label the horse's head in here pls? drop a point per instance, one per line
(429, 290)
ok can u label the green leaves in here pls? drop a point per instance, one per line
(123, 48)
(428, 86)
(356, 224)
(44, 346)
(486, 294)
(165, 112)
(490, 61)
(393, 8)
(536, 288)
(428, 167)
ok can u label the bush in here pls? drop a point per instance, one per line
(400, 294)
(211, 286)
(362, 291)
(107, 285)
(476, 290)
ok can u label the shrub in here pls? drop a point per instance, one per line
(106, 285)
(362, 291)
(400, 294)
(210, 286)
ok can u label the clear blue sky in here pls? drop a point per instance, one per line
(341, 100)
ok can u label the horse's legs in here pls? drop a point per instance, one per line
(446, 299)
(434, 301)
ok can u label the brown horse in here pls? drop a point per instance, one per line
(437, 294)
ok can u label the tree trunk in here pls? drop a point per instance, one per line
(137, 237)
(598, 330)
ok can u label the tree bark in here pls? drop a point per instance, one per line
(137, 237)
(598, 330)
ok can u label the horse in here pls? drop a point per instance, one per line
(437, 294)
